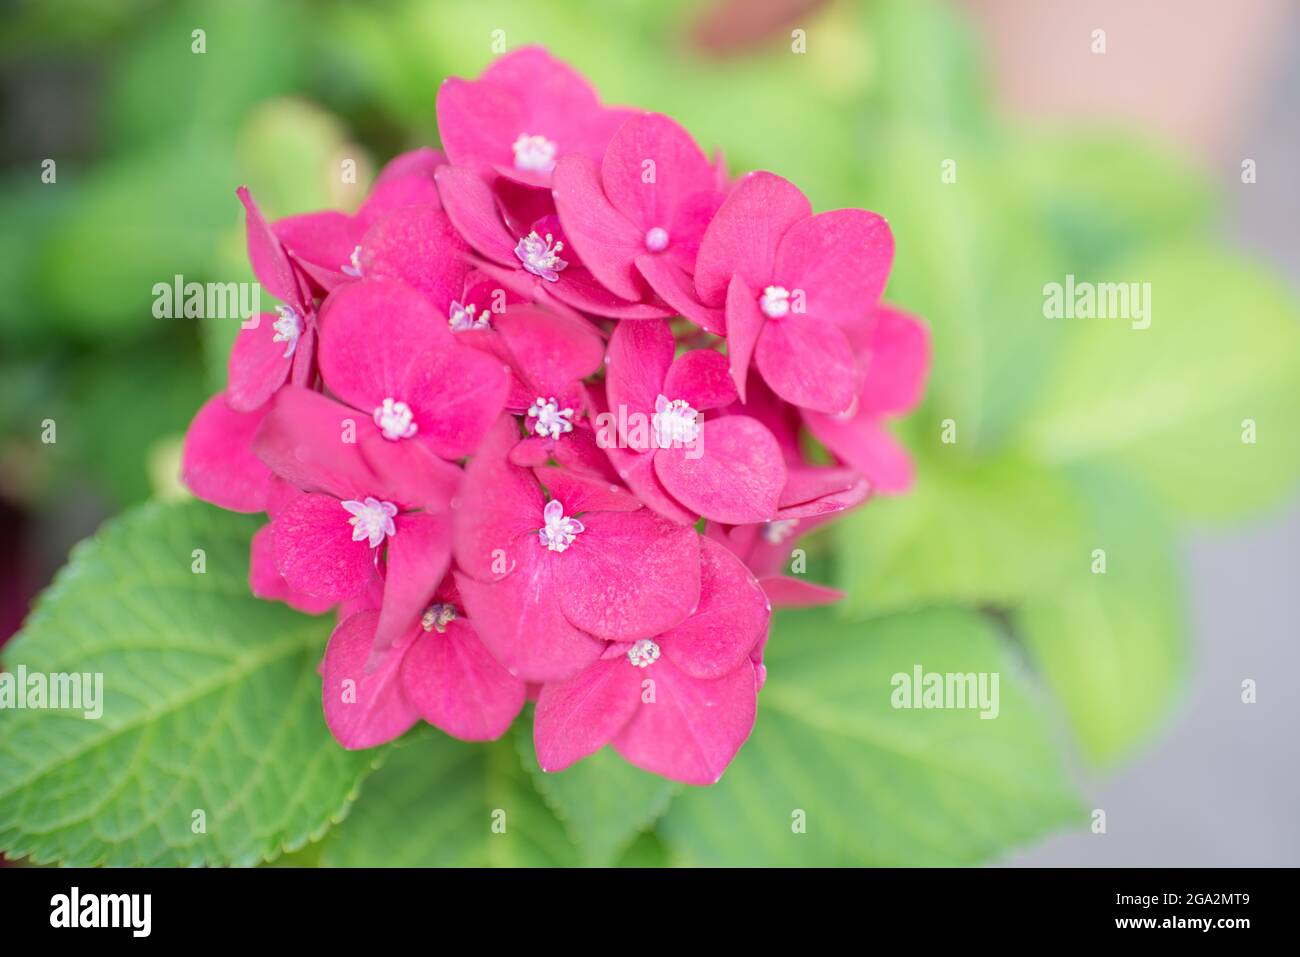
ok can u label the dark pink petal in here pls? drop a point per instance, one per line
(578, 288)
(676, 287)
(866, 445)
(409, 474)
(457, 686)
(742, 240)
(499, 504)
(303, 370)
(473, 210)
(520, 621)
(362, 710)
(732, 615)
(734, 474)
(478, 123)
(218, 464)
(808, 363)
(418, 556)
(745, 324)
(585, 493)
(258, 365)
(270, 263)
(786, 592)
(638, 358)
(840, 259)
(397, 193)
(578, 452)
(419, 246)
(455, 394)
(578, 717)
(322, 243)
(628, 575)
(694, 728)
(702, 378)
(806, 483)
(304, 439)
(266, 582)
(896, 364)
(551, 352)
(830, 502)
(637, 470)
(422, 161)
(371, 334)
(606, 239)
(679, 171)
(314, 550)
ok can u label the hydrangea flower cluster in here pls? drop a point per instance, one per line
(533, 424)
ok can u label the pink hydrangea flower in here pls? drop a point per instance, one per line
(547, 581)
(217, 460)
(638, 216)
(679, 704)
(525, 112)
(728, 468)
(796, 288)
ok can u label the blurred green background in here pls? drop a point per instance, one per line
(1071, 435)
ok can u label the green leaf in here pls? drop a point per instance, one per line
(211, 703)
(877, 785)
(1112, 644)
(603, 802)
(985, 533)
(440, 802)
(1170, 403)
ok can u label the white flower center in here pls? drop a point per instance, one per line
(353, 266)
(656, 240)
(536, 154)
(643, 653)
(462, 318)
(552, 421)
(372, 520)
(559, 531)
(437, 617)
(287, 329)
(541, 256)
(776, 532)
(775, 302)
(396, 420)
(674, 422)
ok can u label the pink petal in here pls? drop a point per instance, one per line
(637, 471)
(473, 211)
(807, 363)
(321, 242)
(397, 193)
(638, 358)
(628, 575)
(734, 475)
(577, 717)
(742, 240)
(418, 556)
(266, 582)
(584, 493)
(702, 378)
(303, 440)
(694, 728)
(362, 710)
(270, 263)
(896, 364)
(679, 170)
(731, 618)
(477, 122)
(455, 394)
(785, 592)
(314, 550)
(840, 259)
(458, 686)
(550, 352)
(372, 332)
(676, 287)
(605, 238)
(578, 288)
(520, 621)
(745, 324)
(866, 445)
(422, 161)
(498, 504)
(419, 246)
(217, 462)
(258, 365)
(829, 503)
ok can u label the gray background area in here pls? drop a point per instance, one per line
(1220, 785)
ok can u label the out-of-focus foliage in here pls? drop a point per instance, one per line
(1071, 435)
